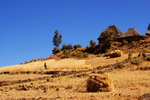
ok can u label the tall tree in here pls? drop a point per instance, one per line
(57, 39)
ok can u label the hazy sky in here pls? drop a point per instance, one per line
(27, 26)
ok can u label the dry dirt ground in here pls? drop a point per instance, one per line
(130, 83)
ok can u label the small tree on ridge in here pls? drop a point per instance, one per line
(57, 39)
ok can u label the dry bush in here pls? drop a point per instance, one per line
(75, 54)
(99, 83)
(146, 57)
(129, 56)
(140, 58)
(80, 55)
(136, 60)
(77, 46)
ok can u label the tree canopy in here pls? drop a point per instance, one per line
(57, 39)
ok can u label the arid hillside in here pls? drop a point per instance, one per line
(118, 69)
(66, 79)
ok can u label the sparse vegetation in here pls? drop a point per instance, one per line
(56, 50)
(93, 50)
(67, 47)
(139, 59)
(129, 56)
(92, 43)
(76, 54)
(77, 46)
(106, 45)
(80, 55)
(146, 57)
(124, 42)
(136, 61)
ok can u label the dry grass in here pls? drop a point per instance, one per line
(132, 83)
(16, 77)
(65, 64)
(99, 83)
(102, 61)
(51, 65)
(128, 85)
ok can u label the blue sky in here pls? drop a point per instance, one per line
(27, 26)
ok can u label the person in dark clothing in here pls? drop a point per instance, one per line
(45, 66)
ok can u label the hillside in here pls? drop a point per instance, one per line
(133, 47)
(118, 68)
(66, 79)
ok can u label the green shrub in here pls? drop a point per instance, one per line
(77, 46)
(74, 54)
(136, 61)
(147, 57)
(92, 43)
(67, 47)
(129, 55)
(56, 50)
(80, 55)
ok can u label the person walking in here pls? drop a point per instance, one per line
(45, 66)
